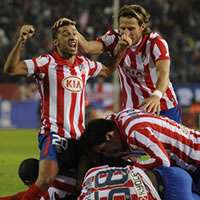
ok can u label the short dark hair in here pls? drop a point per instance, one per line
(28, 170)
(138, 12)
(66, 22)
(95, 133)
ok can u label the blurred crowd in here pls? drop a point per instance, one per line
(178, 22)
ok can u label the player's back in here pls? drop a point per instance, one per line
(105, 182)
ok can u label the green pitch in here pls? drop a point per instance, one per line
(15, 145)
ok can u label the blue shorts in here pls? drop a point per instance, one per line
(64, 151)
(177, 183)
(173, 113)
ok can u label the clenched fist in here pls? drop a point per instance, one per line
(26, 31)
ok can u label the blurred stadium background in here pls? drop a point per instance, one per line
(177, 20)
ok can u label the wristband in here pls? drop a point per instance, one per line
(158, 93)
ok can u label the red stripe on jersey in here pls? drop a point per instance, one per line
(163, 104)
(133, 63)
(183, 156)
(60, 101)
(80, 121)
(171, 97)
(148, 79)
(162, 48)
(71, 112)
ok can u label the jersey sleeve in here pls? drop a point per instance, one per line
(37, 65)
(160, 49)
(144, 139)
(109, 40)
(94, 68)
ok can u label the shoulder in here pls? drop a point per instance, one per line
(110, 35)
(154, 37)
(43, 59)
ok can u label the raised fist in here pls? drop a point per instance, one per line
(26, 31)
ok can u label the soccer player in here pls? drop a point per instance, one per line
(164, 140)
(63, 187)
(145, 67)
(61, 76)
(133, 183)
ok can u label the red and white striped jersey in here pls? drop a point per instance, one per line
(102, 183)
(165, 140)
(137, 69)
(62, 89)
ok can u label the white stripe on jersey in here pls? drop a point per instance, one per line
(53, 93)
(30, 67)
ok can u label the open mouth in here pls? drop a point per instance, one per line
(72, 44)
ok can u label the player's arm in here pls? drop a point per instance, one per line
(153, 147)
(14, 65)
(90, 47)
(108, 70)
(152, 104)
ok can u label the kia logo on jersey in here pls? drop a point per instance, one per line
(72, 83)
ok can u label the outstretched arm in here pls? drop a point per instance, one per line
(14, 65)
(90, 47)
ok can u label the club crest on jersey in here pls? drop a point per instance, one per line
(72, 83)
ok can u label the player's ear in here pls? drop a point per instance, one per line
(143, 26)
(109, 135)
(55, 42)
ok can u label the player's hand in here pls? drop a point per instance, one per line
(60, 21)
(124, 42)
(151, 104)
(26, 31)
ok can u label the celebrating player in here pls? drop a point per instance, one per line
(61, 77)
